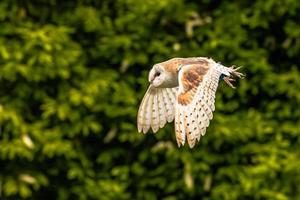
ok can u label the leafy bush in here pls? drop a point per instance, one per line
(72, 74)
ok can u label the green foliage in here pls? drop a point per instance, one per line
(72, 74)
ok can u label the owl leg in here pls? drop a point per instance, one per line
(228, 80)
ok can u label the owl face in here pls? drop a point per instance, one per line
(157, 75)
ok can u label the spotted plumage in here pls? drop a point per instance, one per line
(183, 89)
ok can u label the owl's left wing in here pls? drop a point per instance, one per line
(157, 108)
(198, 83)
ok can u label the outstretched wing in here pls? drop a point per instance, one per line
(195, 103)
(157, 108)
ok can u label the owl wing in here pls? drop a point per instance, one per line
(196, 100)
(157, 108)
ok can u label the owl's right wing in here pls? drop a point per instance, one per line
(196, 100)
(157, 108)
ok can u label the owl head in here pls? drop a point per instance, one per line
(157, 75)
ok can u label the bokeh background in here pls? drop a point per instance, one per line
(73, 72)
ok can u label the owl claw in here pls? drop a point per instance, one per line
(227, 81)
(234, 71)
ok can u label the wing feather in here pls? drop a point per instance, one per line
(180, 131)
(155, 114)
(191, 127)
(162, 110)
(169, 105)
(148, 114)
(157, 108)
(142, 113)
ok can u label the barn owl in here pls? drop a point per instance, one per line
(184, 89)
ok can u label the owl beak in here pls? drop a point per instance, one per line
(151, 78)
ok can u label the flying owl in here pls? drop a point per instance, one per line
(184, 89)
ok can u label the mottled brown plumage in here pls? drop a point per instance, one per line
(191, 79)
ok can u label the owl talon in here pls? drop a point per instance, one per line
(227, 81)
(234, 71)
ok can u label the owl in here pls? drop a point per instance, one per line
(184, 89)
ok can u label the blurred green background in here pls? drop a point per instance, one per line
(73, 72)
